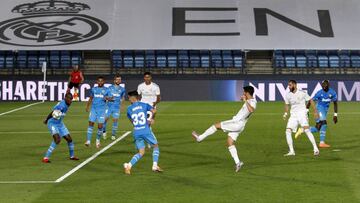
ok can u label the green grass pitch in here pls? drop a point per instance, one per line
(193, 172)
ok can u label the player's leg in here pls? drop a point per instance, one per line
(151, 139)
(107, 116)
(100, 118)
(55, 133)
(140, 145)
(207, 132)
(232, 136)
(291, 125)
(323, 115)
(312, 139)
(76, 92)
(92, 119)
(116, 116)
(99, 134)
(71, 147)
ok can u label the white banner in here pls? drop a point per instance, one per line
(179, 24)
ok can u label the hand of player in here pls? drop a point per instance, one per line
(243, 98)
(335, 119)
(87, 109)
(45, 121)
(285, 116)
(316, 115)
(151, 122)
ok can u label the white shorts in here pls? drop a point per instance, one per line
(297, 119)
(233, 128)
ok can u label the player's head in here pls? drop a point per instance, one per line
(100, 81)
(75, 67)
(147, 77)
(68, 98)
(248, 91)
(292, 85)
(117, 79)
(133, 96)
(325, 85)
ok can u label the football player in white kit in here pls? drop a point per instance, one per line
(234, 126)
(296, 100)
(149, 93)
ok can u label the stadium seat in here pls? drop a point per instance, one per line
(65, 61)
(43, 57)
(75, 58)
(128, 59)
(344, 57)
(32, 59)
(311, 58)
(323, 59)
(334, 60)
(228, 60)
(116, 57)
(9, 59)
(204, 59)
(139, 59)
(238, 58)
(183, 58)
(161, 59)
(289, 59)
(279, 60)
(216, 59)
(150, 59)
(54, 61)
(172, 59)
(194, 58)
(2, 59)
(21, 60)
(355, 59)
(300, 59)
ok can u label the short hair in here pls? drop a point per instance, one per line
(147, 73)
(117, 76)
(293, 82)
(133, 93)
(325, 81)
(249, 89)
(100, 77)
(69, 95)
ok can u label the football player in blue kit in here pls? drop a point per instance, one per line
(137, 114)
(323, 98)
(58, 129)
(114, 106)
(98, 97)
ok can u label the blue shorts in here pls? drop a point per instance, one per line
(113, 112)
(97, 115)
(322, 113)
(58, 128)
(141, 139)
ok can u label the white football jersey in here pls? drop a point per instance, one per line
(148, 93)
(297, 101)
(244, 114)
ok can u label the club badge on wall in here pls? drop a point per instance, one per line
(51, 23)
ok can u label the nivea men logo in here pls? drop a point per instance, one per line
(51, 23)
(181, 21)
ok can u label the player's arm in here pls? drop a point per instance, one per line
(335, 112)
(48, 117)
(248, 105)
(88, 104)
(312, 103)
(82, 77)
(158, 99)
(286, 110)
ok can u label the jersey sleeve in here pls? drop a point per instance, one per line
(157, 91)
(149, 107)
(59, 106)
(334, 99)
(123, 93)
(286, 99)
(317, 96)
(307, 96)
(252, 103)
(128, 113)
(139, 89)
(92, 92)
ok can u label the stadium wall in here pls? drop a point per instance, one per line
(179, 90)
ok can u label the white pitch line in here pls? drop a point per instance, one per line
(91, 158)
(26, 182)
(21, 108)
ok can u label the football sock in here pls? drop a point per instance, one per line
(312, 139)
(71, 148)
(207, 133)
(323, 133)
(51, 149)
(89, 133)
(156, 154)
(99, 133)
(313, 130)
(289, 140)
(114, 128)
(135, 159)
(104, 127)
(233, 152)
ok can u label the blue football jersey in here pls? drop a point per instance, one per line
(324, 99)
(99, 94)
(63, 107)
(137, 113)
(117, 92)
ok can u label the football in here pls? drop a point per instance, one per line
(56, 114)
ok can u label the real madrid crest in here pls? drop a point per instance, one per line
(51, 23)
